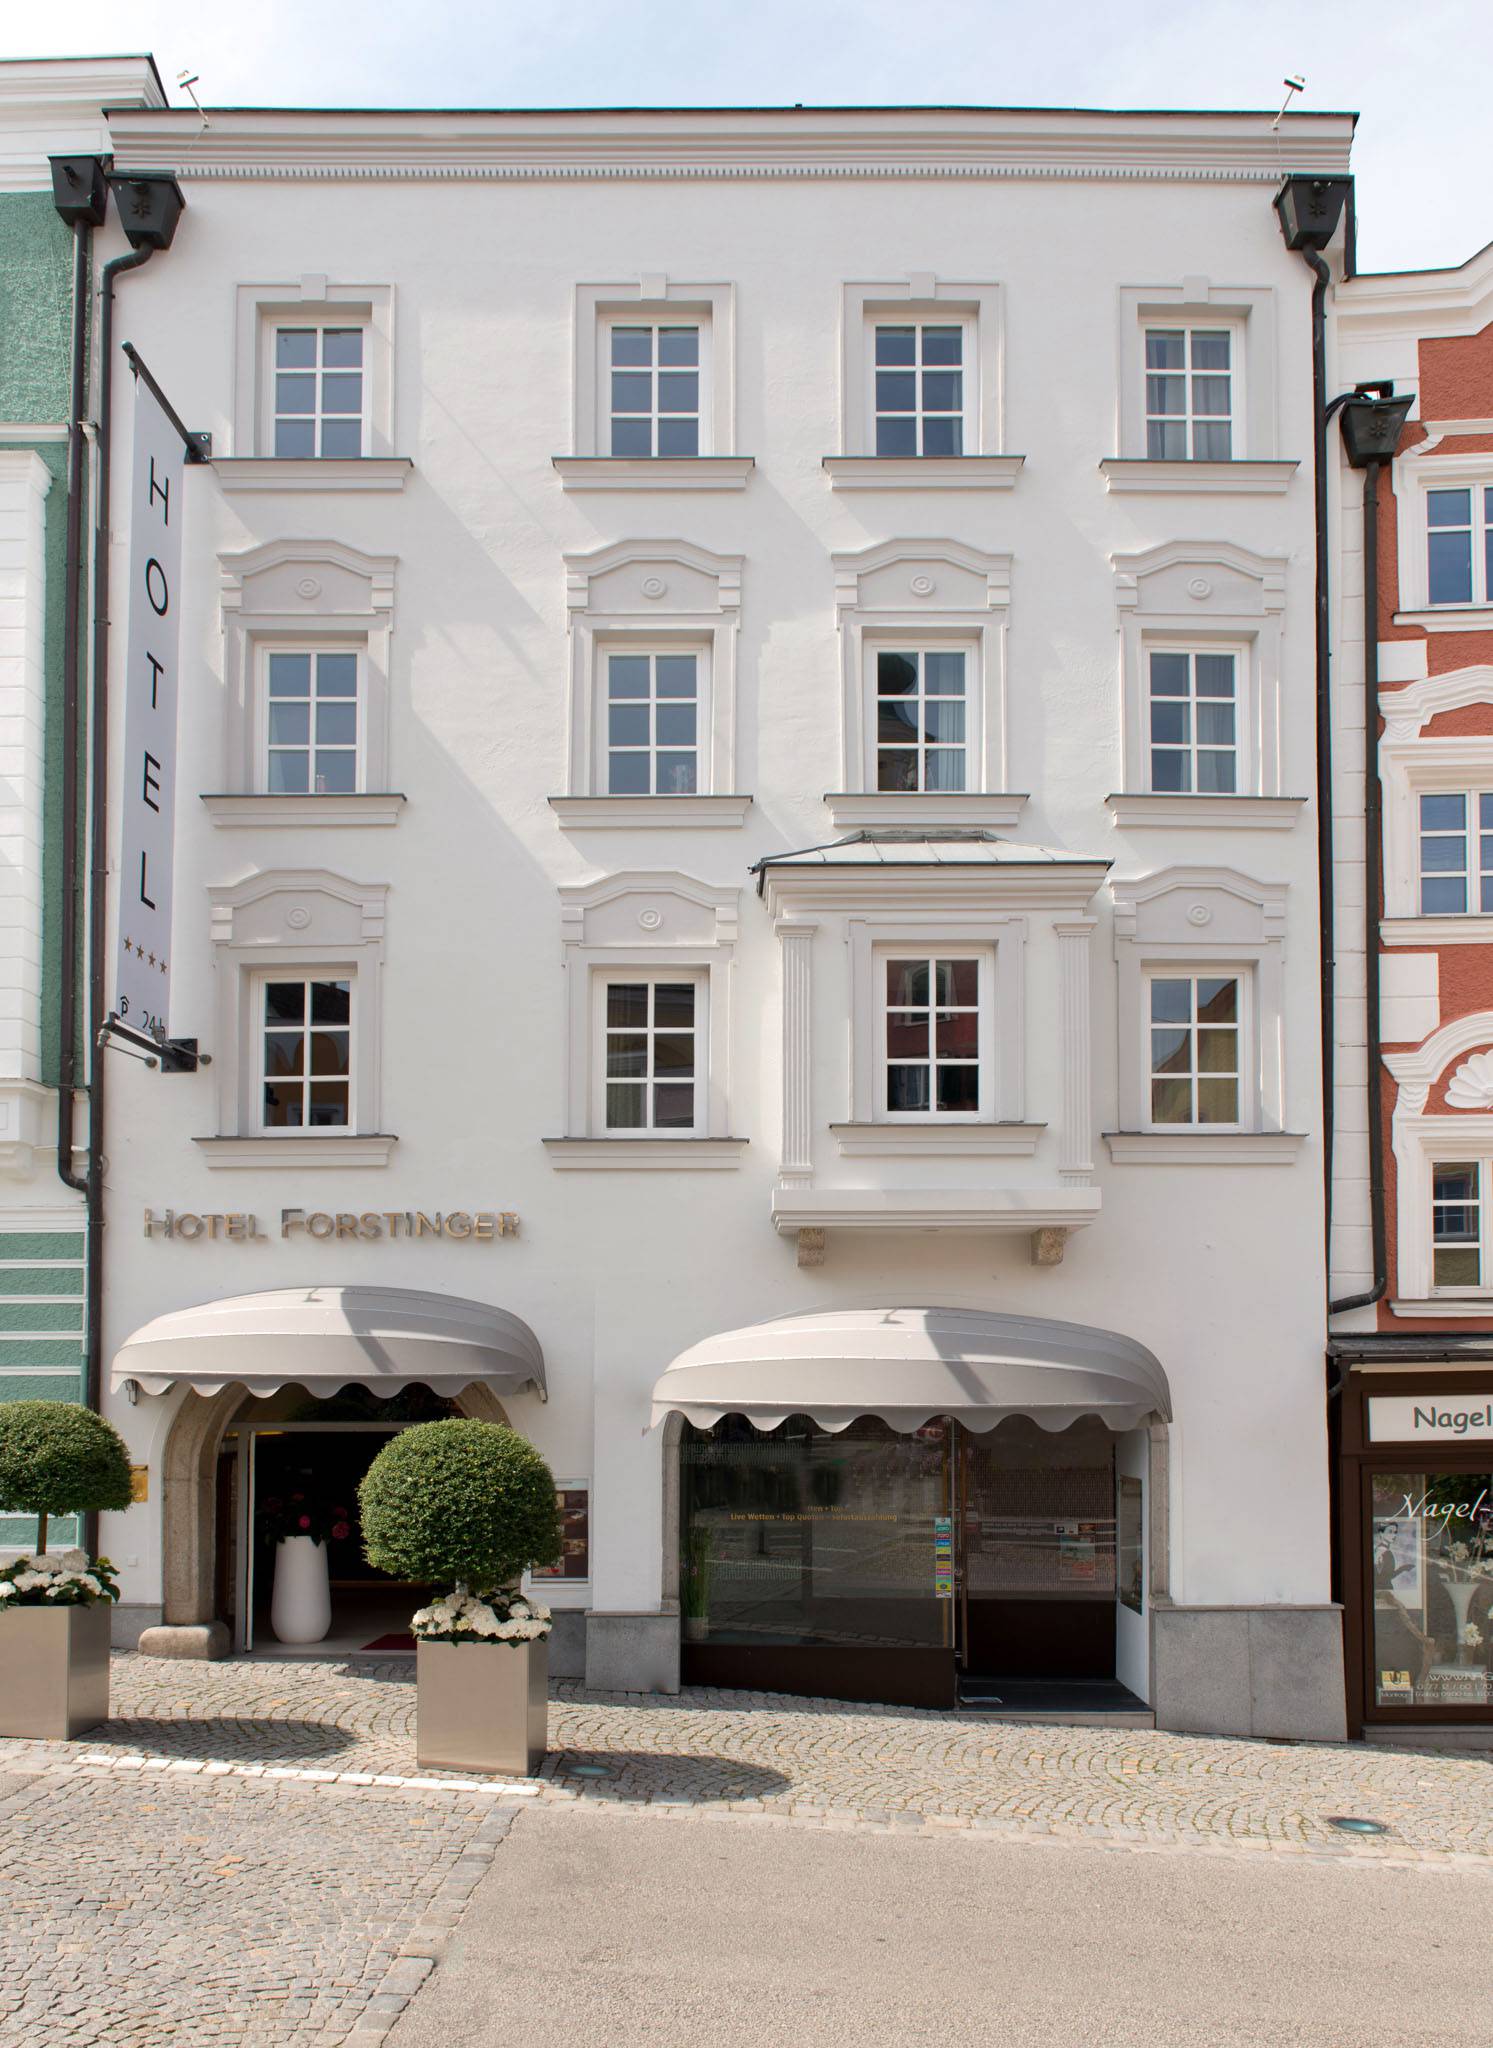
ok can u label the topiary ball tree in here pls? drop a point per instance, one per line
(59, 1459)
(459, 1503)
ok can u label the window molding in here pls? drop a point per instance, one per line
(656, 922)
(648, 592)
(923, 472)
(312, 300)
(1419, 1137)
(1204, 1146)
(229, 809)
(979, 306)
(932, 591)
(301, 921)
(652, 297)
(1197, 301)
(1421, 469)
(1412, 764)
(1202, 921)
(656, 473)
(1200, 594)
(299, 593)
(299, 473)
(1150, 809)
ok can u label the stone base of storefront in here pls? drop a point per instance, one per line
(129, 1620)
(1259, 1671)
(632, 1652)
(567, 1641)
(1429, 1735)
(199, 1642)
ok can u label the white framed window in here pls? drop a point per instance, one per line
(1456, 852)
(311, 724)
(1193, 720)
(935, 1035)
(1196, 1050)
(924, 716)
(656, 400)
(1459, 1224)
(652, 1036)
(1459, 544)
(1192, 392)
(319, 388)
(655, 714)
(922, 384)
(306, 1042)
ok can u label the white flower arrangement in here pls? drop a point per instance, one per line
(461, 1616)
(64, 1578)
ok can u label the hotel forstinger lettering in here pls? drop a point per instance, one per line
(238, 1226)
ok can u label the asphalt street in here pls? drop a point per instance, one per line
(611, 1930)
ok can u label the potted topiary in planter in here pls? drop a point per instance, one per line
(56, 1459)
(469, 1505)
(299, 1525)
(694, 1586)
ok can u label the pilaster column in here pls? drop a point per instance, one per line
(1075, 1053)
(796, 1163)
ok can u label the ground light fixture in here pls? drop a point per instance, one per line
(1352, 1825)
(588, 1770)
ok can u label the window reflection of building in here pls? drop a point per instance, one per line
(1432, 1567)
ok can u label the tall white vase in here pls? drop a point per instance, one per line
(301, 1606)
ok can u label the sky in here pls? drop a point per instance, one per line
(1420, 77)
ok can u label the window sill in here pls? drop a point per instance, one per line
(1212, 479)
(312, 473)
(939, 807)
(644, 1155)
(1450, 618)
(1003, 1209)
(870, 1141)
(312, 1148)
(1223, 813)
(1465, 929)
(611, 813)
(1459, 1306)
(1204, 1148)
(923, 472)
(655, 473)
(361, 807)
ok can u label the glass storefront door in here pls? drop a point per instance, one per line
(1430, 1571)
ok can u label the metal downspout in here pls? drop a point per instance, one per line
(72, 705)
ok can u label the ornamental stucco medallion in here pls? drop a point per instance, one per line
(1471, 1086)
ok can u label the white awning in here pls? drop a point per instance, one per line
(322, 1338)
(908, 1364)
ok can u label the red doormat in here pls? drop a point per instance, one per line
(396, 1642)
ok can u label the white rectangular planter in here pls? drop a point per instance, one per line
(482, 1706)
(54, 1670)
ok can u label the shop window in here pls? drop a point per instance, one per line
(574, 1505)
(1431, 1549)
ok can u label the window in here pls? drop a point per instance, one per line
(921, 737)
(1431, 1558)
(311, 722)
(1457, 1225)
(1447, 882)
(1459, 546)
(933, 1034)
(307, 1066)
(1195, 1064)
(1189, 394)
(651, 1054)
(919, 388)
(1193, 722)
(655, 389)
(320, 391)
(653, 724)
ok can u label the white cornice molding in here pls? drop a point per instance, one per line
(1419, 302)
(954, 143)
(100, 82)
(1408, 710)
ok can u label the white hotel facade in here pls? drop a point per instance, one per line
(744, 806)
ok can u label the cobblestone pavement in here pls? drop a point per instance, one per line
(812, 1762)
(176, 1909)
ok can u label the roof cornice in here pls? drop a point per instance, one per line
(1430, 302)
(47, 84)
(929, 143)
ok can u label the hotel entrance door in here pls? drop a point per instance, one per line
(1035, 1552)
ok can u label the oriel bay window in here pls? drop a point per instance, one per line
(654, 389)
(1195, 1050)
(652, 1041)
(311, 744)
(1193, 721)
(1190, 397)
(919, 387)
(320, 390)
(1456, 852)
(1459, 545)
(922, 718)
(653, 724)
(307, 1054)
(936, 1036)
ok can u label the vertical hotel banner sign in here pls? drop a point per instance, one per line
(142, 976)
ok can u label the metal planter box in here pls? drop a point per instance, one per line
(482, 1706)
(54, 1670)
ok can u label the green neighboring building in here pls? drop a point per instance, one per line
(47, 108)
